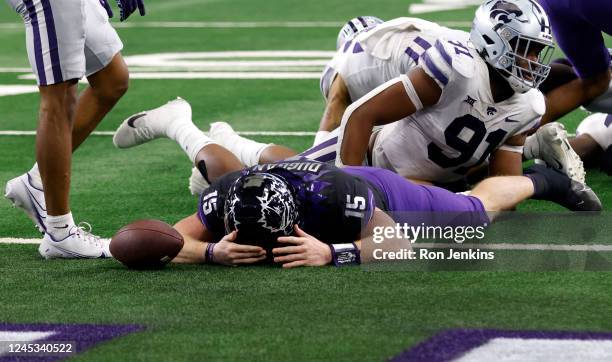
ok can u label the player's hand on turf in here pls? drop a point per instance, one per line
(303, 250)
(227, 252)
(127, 7)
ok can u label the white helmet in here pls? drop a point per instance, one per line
(504, 31)
(355, 26)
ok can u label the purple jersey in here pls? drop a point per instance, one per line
(577, 26)
(335, 204)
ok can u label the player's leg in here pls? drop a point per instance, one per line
(540, 183)
(594, 140)
(249, 152)
(54, 145)
(173, 120)
(55, 44)
(105, 89)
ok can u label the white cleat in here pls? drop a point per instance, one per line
(22, 194)
(148, 125)
(197, 183)
(79, 244)
(550, 144)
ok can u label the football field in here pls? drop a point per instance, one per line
(256, 65)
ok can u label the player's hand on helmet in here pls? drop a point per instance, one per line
(127, 7)
(227, 252)
(301, 250)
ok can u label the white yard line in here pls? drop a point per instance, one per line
(503, 246)
(519, 247)
(233, 24)
(243, 133)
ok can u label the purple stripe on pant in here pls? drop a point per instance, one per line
(415, 204)
(53, 47)
(320, 146)
(38, 56)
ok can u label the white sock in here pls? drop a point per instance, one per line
(35, 176)
(247, 151)
(189, 137)
(529, 148)
(59, 226)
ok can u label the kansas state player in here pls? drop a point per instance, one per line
(67, 40)
(577, 25)
(467, 101)
(319, 214)
(394, 48)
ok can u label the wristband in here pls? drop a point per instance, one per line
(345, 254)
(208, 255)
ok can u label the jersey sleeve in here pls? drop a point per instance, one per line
(348, 207)
(446, 61)
(212, 202)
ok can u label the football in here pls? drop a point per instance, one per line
(146, 244)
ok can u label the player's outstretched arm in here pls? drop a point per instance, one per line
(570, 96)
(390, 102)
(200, 247)
(337, 102)
(306, 250)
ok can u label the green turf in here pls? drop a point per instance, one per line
(261, 313)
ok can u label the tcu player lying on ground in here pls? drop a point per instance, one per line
(311, 209)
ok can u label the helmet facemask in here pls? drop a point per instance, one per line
(507, 34)
(516, 65)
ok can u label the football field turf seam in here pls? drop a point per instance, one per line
(501, 246)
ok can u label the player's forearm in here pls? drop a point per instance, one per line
(506, 163)
(193, 251)
(338, 100)
(356, 136)
(570, 96)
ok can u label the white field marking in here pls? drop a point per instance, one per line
(14, 70)
(242, 133)
(431, 6)
(504, 246)
(10, 90)
(235, 24)
(26, 336)
(214, 75)
(260, 64)
(540, 349)
(509, 246)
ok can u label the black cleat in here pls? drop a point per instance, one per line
(580, 197)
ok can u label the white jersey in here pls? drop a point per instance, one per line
(442, 142)
(383, 53)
